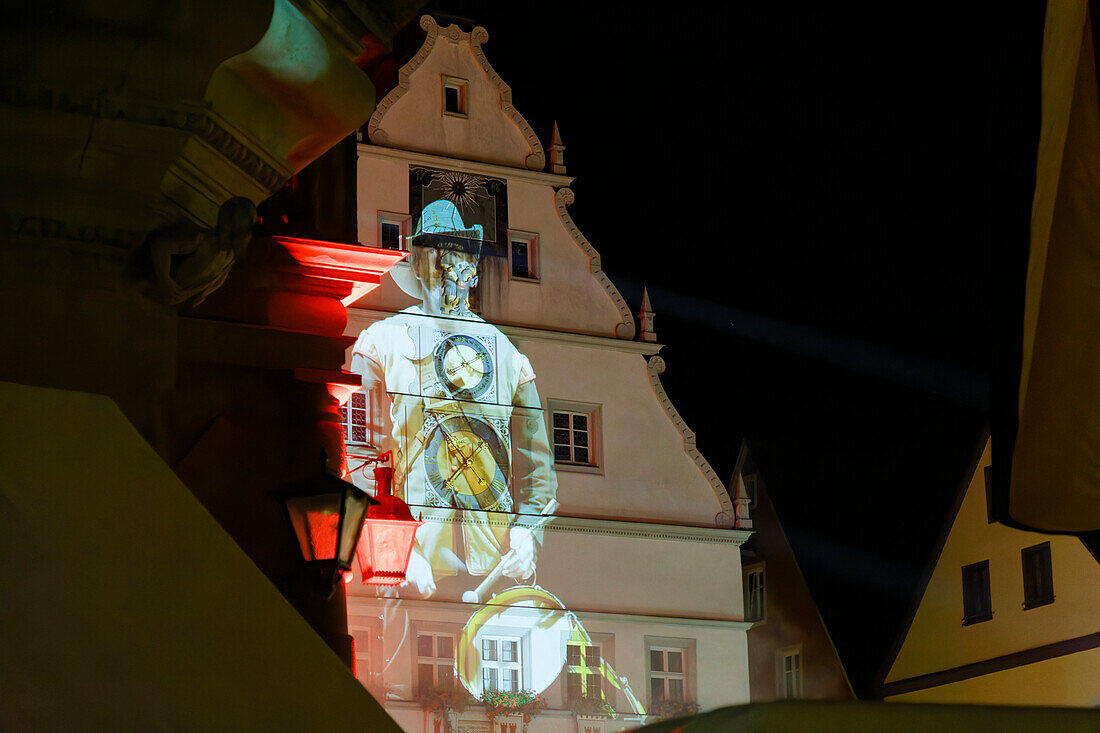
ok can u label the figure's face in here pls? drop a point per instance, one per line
(459, 278)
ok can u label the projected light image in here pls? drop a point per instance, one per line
(457, 403)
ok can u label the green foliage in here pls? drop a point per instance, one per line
(525, 702)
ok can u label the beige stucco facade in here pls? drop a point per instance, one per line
(643, 552)
(1045, 655)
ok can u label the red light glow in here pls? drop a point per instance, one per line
(384, 550)
(360, 267)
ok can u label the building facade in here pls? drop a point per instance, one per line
(791, 655)
(575, 543)
(1006, 617)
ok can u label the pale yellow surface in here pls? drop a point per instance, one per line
(937, 640)
(1068, 680)
(1056, 461)
(126, 606)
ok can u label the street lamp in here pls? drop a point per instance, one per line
(386, 545)
(327, 517)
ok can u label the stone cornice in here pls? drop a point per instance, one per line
(606, 616)
(431, 160)
(360, 318)
(536, 159)
(606, 527)
(563, 198)
(199, 120)
(724, 518)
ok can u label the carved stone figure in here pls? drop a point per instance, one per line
(185, 263)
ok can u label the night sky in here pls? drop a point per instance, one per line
(829, 208)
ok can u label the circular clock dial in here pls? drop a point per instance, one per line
(466, 461)
(464, 366)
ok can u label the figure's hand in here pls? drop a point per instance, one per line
(419, 575)
(520, 562)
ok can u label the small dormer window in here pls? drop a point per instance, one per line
(455, 96)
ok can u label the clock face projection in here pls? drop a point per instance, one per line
(463, 366)
(467, 464)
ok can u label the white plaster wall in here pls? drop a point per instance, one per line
(660, 577)
(416, 121)
(715, 676)
(646, 473)
(937, 640)
(568, 297)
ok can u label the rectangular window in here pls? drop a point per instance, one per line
(666, 674)
(575, 435)
(523, 255)
(501, 665)
(750, 489)
(393, 231)
(583, 678)
(790, 674)
(355, 417)
(1038, 576)
(455, 91)
(754, 593)
(976, 603)
(435, 666)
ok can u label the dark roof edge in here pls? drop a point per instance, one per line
(743, 457)
(879, 680)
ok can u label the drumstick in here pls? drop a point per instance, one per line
(475, 595)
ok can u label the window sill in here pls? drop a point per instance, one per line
(532, 280)
(970, 621)
(578, 468)
(1028, 605)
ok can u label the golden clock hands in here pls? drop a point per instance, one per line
(464, 364)
(468, 463)
(467, 460)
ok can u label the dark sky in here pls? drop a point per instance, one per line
(829, 207)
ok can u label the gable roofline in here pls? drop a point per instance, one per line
(563, 197)
(744, 457)
(879, 680)
(725, 517)
(535, 160)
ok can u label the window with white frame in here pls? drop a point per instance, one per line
(670, 669)
(523, 255)
(501, 664)
(455, 96)
(755, 596)
(790, 673)
(355, 418)
(435, 665)
(575, 434)
(393, 231)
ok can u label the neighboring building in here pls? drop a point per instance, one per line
(151, 580)
(637, 597)
(790, 653)
(1006, 617)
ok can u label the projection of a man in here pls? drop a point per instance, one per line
(463, 407)
(453, 383)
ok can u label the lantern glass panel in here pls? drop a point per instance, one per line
(384, 550)
(316, 520)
